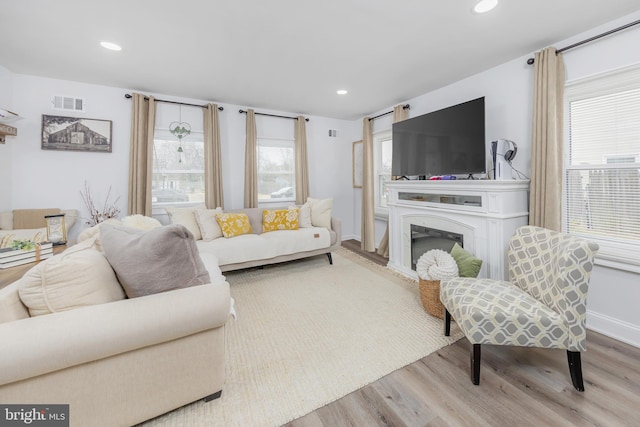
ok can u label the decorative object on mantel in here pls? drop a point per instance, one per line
(432, 267)
(24, 252)
(76, 134)
(109, 209)
(56, 229)
(180, 129)
(7, 116)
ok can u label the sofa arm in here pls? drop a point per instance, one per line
(48, 343)
(336, 225)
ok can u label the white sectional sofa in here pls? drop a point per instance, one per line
(115, 363)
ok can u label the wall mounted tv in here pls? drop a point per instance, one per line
(450, 141)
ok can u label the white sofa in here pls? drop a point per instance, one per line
(259, 248)
(117, 363)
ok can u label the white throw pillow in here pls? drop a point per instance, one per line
(141, 222)
(321, 212)
(304, 216)
(94, 232)
(78, 277)
(209, 227)
(186, 217)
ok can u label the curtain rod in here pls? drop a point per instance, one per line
(306, 119)
(530, 61)
(405, 107)
(146, 98)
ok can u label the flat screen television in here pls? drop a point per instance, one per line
(450, 141)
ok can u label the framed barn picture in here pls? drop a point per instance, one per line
(76, 134)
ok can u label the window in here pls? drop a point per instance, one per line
(602, 167)
(382, 143)
(177, 176)
(276, 170)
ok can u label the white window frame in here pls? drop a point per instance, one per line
(612, 253)
(381, 212)
(277, 142)
(165, 135)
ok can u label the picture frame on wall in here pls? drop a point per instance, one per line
(357, 164)
(76, 134)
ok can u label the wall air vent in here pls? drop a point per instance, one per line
(68, 103)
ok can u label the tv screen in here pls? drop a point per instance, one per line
(450, 141)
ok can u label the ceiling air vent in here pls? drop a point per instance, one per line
(68, 103)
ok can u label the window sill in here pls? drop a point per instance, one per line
(617, 255)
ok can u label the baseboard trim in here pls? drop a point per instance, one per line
(614, 328)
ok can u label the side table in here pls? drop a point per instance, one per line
(10, 275)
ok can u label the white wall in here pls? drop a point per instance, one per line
(508, 91)
(41, 178)
(6, 98)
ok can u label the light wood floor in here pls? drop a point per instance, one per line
(518, 387)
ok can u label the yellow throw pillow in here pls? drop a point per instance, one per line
(281, 219)
(233, 224)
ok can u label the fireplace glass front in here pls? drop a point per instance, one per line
(423, 239)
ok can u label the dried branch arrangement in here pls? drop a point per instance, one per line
(109, 209)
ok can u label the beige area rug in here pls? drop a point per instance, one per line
(308, 333)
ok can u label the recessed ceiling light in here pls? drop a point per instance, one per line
(110, 46)
(341, 92)
(484, 6)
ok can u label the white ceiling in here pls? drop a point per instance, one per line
(287, 55)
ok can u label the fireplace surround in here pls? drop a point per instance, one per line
(481, 215)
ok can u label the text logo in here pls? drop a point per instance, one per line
(34, 415)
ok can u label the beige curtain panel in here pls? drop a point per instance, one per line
(143, 119)
(251, 163)
(212, 158)
(399, 114)
(368, 232)
(302, 168)
(545, 197)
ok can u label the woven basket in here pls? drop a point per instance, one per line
(430, 297)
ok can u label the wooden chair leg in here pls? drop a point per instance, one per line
(213, 396)
(447, 323)
(330, 258)
(575, 368)
(475, 364)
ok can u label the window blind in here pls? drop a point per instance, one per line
(602, 163)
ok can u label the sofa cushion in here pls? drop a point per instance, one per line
(186, 217)
(77, 277)
(279, 219)
(468, 265)
(209, 227)
(158, 260)
(321, 212)
(251, 247)
(234, 224)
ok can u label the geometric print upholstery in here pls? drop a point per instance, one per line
(542, 305)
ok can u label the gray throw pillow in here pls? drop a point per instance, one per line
(149, 262)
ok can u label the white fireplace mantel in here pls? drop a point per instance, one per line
(485, 212)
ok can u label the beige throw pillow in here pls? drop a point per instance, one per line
(78, 277)
(6, 220)
(186, 217)
(321, 212)
(158, 260)
(209, 227)
(304, 217)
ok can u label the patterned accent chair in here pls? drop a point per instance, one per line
(542, 305)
